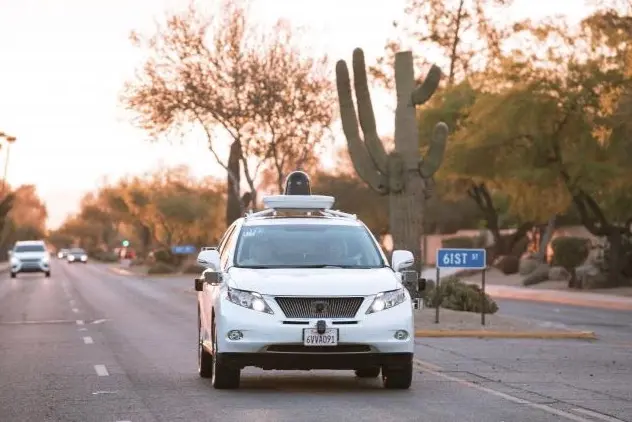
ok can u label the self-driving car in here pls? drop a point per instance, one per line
(299, 286)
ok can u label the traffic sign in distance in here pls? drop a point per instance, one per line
(468, 259)
(183, 249)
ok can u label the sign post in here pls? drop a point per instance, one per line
(462, 259)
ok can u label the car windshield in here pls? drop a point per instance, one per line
(77, 251)
(29, 248)
(306, 246)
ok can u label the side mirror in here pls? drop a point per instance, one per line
(212, 277)
(199, 284)
(209, 259)
(402, 259)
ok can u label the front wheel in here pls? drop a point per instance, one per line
(205, 359)
(13, 275)
(225, 376)
(47, 273)
(398, 378)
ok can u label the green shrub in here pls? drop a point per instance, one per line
(459, 296)
(570, 252)
(463, 242)
(137, 262)
(160, 268)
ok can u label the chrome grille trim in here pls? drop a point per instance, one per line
(335, 307)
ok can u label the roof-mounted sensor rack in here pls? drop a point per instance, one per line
(299, 204)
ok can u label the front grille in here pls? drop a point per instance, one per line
(320, 307)
(299, 348)
(30, 260)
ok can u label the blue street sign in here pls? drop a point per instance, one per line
(183, 249)
(468, 259)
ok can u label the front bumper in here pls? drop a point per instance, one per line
(276, 342)
(30, 267)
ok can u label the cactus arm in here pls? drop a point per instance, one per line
(360, 157)
(366, 115)
(424, 91)
(434, 158)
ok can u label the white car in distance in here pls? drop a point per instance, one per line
(299, 286)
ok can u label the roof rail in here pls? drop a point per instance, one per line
(299, 203)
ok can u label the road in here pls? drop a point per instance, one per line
(88, 345)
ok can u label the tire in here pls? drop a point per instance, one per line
(368, 372)
(398, 378)
(225, 376)
(205, 359)
(14, 275)
(47, 273)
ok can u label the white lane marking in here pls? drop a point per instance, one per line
(75, 310)
(543, 407)
(101, 370)
(99, 321)
(82, 329)
(597, 415)
(72, 302)
(88, 340)
(79, 322)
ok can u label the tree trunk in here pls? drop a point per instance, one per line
(572, 281)
(545, 239)
(615, 259)
(406, 220)
(233, 201)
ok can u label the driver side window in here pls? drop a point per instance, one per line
(226, 247)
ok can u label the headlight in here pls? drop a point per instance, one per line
(45, 260)
(250, 300)
(387, 300)
(84, 257)
(71, 258)
(14, 261)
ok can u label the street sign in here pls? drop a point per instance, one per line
(467, 259)
(183, 249)
(125, 243)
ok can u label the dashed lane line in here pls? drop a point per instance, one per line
(88, 340)
(75, 310)
(596, 415)
(101, 370)
(79, 322)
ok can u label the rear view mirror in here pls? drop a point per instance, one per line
(402, 259)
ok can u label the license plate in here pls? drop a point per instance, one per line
(328, 338)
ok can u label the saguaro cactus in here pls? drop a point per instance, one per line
(403, 173)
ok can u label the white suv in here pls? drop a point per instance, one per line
(299, 286)
(30, 256)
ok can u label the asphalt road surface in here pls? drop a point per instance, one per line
(87, 345)
(611, 325)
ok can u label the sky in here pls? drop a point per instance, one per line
(63, 64)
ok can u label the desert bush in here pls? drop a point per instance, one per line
(570, 252)
(459, 296)
(467, 242)
(165, 256)
(160, 268)
(192, 268)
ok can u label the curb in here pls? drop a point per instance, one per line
(544, 335)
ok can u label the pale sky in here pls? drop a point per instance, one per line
(63, 63)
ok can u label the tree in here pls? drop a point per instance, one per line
(458, 30)
(557, 114)
(259, 91)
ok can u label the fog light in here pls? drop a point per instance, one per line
(235, 335)
(401, 335)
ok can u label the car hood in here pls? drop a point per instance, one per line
(314, 281)
(30, 255)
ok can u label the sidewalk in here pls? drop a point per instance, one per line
(468, 324)
(500, 286)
